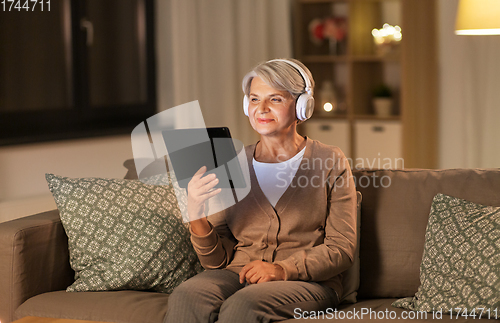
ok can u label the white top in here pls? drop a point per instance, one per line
(274, 178)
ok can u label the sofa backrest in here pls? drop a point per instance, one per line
(394, 214)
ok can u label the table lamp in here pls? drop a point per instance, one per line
(478, 17)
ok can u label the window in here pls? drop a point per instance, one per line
(84, 68)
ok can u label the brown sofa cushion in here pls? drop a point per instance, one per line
(394, 218)
(33, 260)
(116, 306)
(145, 307)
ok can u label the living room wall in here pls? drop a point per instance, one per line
(23, 189)
(469, 96)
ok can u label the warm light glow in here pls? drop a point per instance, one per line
(478, 17)
(388, 34)
(328, 107)
(478, 32)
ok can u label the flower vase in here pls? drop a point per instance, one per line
(333, 46)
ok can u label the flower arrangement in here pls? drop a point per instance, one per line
(333, 29)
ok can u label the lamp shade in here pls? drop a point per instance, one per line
(478, 17)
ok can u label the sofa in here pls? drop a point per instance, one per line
(35, 271)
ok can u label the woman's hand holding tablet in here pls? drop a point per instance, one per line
(200, 189)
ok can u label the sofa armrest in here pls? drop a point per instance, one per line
(34, 259)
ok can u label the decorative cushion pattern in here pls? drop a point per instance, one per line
(123, 234)
(460, 266)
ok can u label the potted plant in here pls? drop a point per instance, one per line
(382, 100)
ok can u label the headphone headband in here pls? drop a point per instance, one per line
(301, 72)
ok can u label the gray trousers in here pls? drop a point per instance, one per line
(217, 296)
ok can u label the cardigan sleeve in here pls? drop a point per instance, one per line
(336, 253)
(215, 249)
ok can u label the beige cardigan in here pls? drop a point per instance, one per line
(311, 232)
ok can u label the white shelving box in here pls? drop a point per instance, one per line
(378, 144)
(330, 132)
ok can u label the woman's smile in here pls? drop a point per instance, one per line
(264, 120)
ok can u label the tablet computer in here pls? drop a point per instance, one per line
(191, 149)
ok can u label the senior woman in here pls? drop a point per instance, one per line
(278, 253)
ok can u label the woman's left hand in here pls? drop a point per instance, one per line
(259, 271)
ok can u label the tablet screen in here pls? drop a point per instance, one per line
(191, 149)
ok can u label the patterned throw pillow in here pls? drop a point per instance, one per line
(123, 234)
(460, 269)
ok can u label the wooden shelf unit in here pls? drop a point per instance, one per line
(357, 69)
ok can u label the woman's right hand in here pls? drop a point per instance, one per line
(199, 191)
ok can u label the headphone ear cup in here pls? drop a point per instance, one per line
(245, 105)
(310, 107)
(304, 106)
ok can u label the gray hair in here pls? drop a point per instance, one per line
(281, 76)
